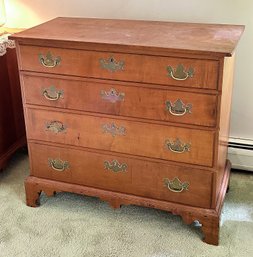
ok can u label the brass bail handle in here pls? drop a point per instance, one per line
(51, 98)
(180, 73)
(58, 164)
(52, 94)
(178, 108)
(55, 126)
(176, 185)
(177, 146)
(49, 61)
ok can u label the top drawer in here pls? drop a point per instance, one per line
(117, 66)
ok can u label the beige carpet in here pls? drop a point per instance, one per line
(73, 225)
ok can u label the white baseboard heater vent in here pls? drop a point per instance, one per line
(240, 153)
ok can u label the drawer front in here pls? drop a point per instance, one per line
(126, 175)
(115, 99)
(136, 138)
(126, 67)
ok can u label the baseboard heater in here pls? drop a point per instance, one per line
(240, 153)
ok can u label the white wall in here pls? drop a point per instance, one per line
(27, 13)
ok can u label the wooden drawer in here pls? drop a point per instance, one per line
(116, 99)
(181, 72)
(126, 175)
(131, 137)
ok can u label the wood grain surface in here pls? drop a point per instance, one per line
(138, 102)
(173, 36)
(141, 139)
(88, 168)
(137, 68)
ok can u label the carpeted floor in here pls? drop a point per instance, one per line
(72, 225)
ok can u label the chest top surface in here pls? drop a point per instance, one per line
(170, 36)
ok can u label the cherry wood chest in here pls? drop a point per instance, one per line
(132, 112)
(12, 126)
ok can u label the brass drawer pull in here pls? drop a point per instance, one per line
(115, 166)
(55, 126)
(176, 185)
(112, 95)
(58, 164)
(178, 108)
(113, 129)
(52, 94)
(111, 64)
(177, 146)
(180, 73)
(49, 61)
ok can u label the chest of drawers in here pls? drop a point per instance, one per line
(132, 112)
